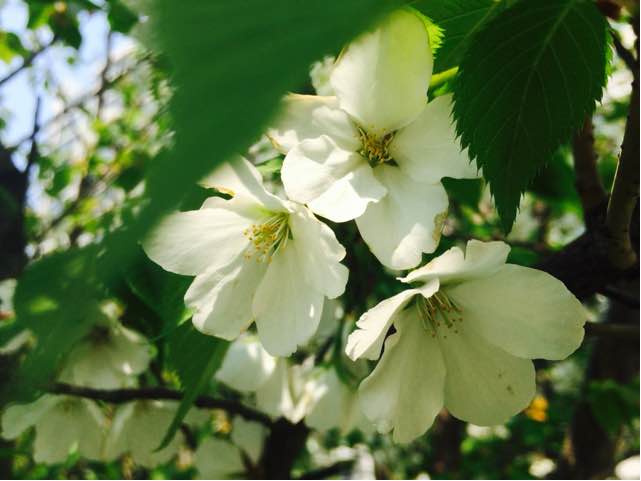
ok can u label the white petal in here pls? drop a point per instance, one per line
(222, 298)
(191, 242)
(286, 308)
(367, 340)
(310, 116)
(525, 311)
(484, 384)
(319, 252)
(406, 222)
(71, 422)
(335, 183)
(247, 366)
(405, 390)
(481, 259)
(240, 178)
(249, 436)
(382, 78)
(428, 150)
(218, 459)
(274, 396)
(139, 427)
(17, 418)
(336, 405)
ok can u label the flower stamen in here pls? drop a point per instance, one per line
(375, 148)
(268, 238)
(438, 309)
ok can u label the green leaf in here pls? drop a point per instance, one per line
(161, 291)
(121, 18)
(56, 302)
(525, 84)
(196, 358)
(459, 20)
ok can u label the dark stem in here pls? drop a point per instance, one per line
(119, 396)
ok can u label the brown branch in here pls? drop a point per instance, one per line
(33, 155)
(120, 396)
(599, 329)
(336, 469)
(625, 190)
(588, 182)
(28, 60)
(625, 55)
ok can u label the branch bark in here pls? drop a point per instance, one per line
(588, 182)
(120, 396)
(625, 190)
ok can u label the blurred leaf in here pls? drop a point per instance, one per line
(464, 191)
(160, 290)
(57, 301)
(555, 182)
(121, 18)
(459, 20)
(196, 358)
(525, 83)
(613, 404)
(10, 46)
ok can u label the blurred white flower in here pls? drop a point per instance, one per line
(281, 389)
(218, 459)
(541, 467)
(628, 468)
(249, 436)
(255, 257)
(377, 151)
(474, 318)
(335, 406)
(109, 357)
(138, 427)
(247, 365)
(63, 424)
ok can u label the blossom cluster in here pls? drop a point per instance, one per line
(469, 324)
(266, 268)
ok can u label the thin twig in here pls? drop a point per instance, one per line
(621, 296)
(339, 467)
(119, 396)
(626, 55)
(598, 329)
(27, 61)
(33, 153)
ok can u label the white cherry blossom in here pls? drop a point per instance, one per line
(256, 257)
(464, 340)
(335, 405)
(109, 357)
(62, 423)
(377, 150)
(138, 427)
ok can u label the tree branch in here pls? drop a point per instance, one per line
(601, 329)
(625, 55)
(625, 190)
(26, 63)
(588, 182)
(119, 396)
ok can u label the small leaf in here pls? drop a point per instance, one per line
(525, 84)
(196, 358)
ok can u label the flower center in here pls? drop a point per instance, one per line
(375, 148)
(439, 311)
(267, 238)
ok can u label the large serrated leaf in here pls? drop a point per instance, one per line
(459, 20)
(525, 84)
